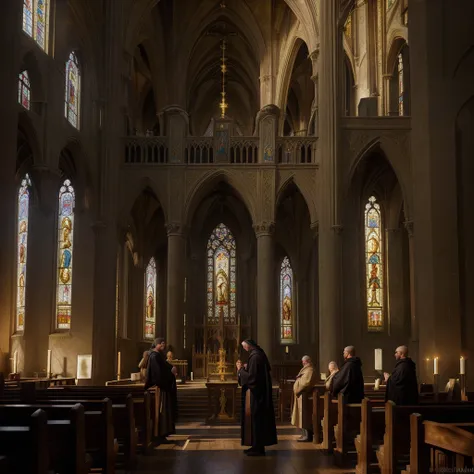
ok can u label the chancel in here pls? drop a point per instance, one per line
(292, 172)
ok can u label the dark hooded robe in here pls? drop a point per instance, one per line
(349, 381)
(258, 415)
(402, 385)
(159, 374)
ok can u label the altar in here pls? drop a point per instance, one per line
(222, 401)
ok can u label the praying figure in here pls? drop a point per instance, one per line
(287, 308)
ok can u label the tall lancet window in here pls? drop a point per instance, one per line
(374, 258)
(401, 89)
(221, 276)
(22, 250)
(287, 316)
(150, 299)
(35, 21)
(24, 89)
(72, 100)
(65, 255)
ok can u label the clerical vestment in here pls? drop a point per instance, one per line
(303, 403)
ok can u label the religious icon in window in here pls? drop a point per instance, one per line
(73, 89)
(286, 303)
(374, 265)
(150, 299)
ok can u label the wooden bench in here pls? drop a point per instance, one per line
(30, 439)
(432, 442)
(394, 454)
(64, 436)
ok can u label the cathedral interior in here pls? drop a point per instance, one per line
(298, 172)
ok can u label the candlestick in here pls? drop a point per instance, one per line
(287, 350)
(378, 359)
(462, 366)
(119, 363)
(435, 366)
(48, 367)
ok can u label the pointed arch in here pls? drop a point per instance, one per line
(65, 256)
(22, 250)
(72, 100)
(149, 324)
(287, 306)
(221, 276)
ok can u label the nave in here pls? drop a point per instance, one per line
(202, 449)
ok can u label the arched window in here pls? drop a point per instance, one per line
(374, 258)
(35, 20)
(22, 246)
(287, 315)
(65, 255)
(150, 299)
(72, 101)
(24, 90)
(401, 87)
(221, 276)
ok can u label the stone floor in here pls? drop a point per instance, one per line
(200, 449)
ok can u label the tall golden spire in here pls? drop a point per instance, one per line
(223, 104)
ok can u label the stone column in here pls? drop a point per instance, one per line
(266, 288)
(41, 269)
(10, 22)
(315, 78)
(175, 287)
(267, 125)
(177, 125)
(329, 229)
(413, 320)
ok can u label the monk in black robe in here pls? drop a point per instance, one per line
(258, 415)
(162, 374)
(402, 385)
(349, 380)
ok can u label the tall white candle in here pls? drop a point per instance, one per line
(15, 362)
(119, 364)
(435, 366)
(48, 367)
(287, 349)
(462, 366)
(378, 359)
(192, 376)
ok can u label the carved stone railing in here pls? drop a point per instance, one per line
(199, 150)
(296, 150)
(244, 150)
(146, 150)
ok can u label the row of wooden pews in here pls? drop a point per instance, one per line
(98, 427)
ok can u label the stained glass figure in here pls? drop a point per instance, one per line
(65, 254)
(72, 91)
(24, 89)
(374, 265)
(28, 17)
(41, 22)
(150, 299)
(286, 303)
(401, 90)
(221, 276)
(22, 246)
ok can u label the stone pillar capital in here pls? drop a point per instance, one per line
(337, 229)
(314, 229)
(175, 229)
(264, 229)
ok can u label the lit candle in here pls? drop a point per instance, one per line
(48, 369)
(462, 365)
(435, 366)
(378, 359)
(15, 362)
(287, 350)
(119, 363)
(192, 376)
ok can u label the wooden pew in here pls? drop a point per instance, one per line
(65, 434)
(318, 413)
(454, 440)
(395, 450)
(31, 438)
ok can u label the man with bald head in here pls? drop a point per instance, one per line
(349, 380)
(402, 385)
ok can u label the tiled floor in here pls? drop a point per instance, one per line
(199, 449)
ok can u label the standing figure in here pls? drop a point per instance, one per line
(162, 374)
(333, 370)
(302, 416)
(402, 385)
(258, 415)
(349, 380)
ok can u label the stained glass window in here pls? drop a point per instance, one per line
(65, 254)
(150, 299)
(390, 3)
(24, 90)
(374, 259)
(28, 17)
(221, 276)
(22, 246)
(72, 99)
(401, 91)
(35, 21)
(287, 316)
